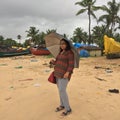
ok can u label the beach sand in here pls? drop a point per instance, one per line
(26, 94)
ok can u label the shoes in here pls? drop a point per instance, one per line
(114, 90)
(59, 108)
(66, 112)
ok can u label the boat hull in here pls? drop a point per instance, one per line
(15, 53)
(36, 51)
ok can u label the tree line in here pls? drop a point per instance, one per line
(107, 24)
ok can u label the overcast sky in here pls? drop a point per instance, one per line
(16, 16)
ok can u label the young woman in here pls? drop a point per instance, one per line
(63, 70)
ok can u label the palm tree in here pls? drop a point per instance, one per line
(1, 39)
(10, 42)
(33, 34)
(88, 6)
(79, 35)
(65, 36)
(117, 37)
(97, 35)
(49, 31)
(111, 18)
(41, 38)
(19, 38)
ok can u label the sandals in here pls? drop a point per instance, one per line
(66, 112)
(59, 108)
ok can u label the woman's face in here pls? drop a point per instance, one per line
(63, 45)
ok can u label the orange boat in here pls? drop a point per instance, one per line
(39, 51)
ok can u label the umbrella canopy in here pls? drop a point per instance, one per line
(52, 41)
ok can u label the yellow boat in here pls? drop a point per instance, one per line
(111, 48)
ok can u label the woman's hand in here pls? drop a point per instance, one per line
(52, 61)
(66, 75)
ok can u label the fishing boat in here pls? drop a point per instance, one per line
(8, 51)
(14, 53)
(39, 51)
(112, 48)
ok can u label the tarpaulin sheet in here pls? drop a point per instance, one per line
(110, 45)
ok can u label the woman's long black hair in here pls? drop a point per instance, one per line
(67, 43)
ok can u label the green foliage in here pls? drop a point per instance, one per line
(79, 35)
(37, 37)
(1, 40)
(33, 34)
(110, 24)
(19, 38)
(50, 31)
(26, 43)
(49, 56)
(88, 6)
(111, 19)
(117, 37)
(97, 35)
(9, 42)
